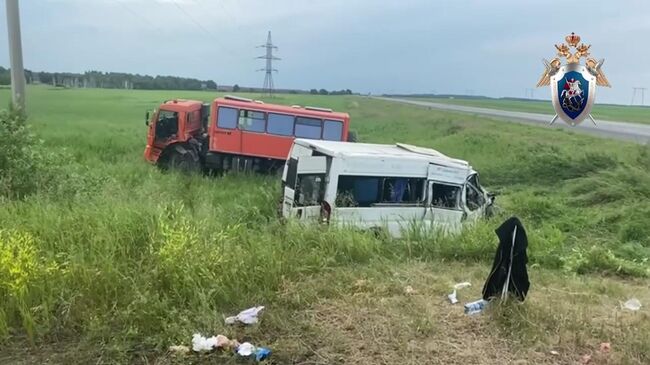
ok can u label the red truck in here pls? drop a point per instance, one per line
(234, 133)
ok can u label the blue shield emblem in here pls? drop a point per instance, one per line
(573, 89)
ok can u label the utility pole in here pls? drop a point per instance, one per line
(15, 55)
(268, 77)
(531, 92)
(642, 90)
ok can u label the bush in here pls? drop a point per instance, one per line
(27, 167)
(19, 160)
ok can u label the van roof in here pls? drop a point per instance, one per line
(401, 150)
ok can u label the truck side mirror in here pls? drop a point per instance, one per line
(146, 119)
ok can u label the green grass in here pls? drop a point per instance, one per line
(621, 113)
(113, 261)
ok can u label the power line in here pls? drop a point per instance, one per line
(196, 22)
(135, 14)
(268, 77)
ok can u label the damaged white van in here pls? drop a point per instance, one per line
(373, 186)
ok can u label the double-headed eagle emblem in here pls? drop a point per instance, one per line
(573, 84)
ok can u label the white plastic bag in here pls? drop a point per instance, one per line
(248, 316)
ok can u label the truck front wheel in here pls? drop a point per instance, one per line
(184, 162)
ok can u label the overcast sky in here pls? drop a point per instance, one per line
(491, 48)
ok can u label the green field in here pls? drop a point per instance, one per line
(105, 259)
(621, 113)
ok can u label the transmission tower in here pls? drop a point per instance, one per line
(268, 77)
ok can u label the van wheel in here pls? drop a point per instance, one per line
(183, 162)
(352, 136)
(379, 232)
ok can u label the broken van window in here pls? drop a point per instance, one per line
(364, 191)
(402, 190)
(474, 198)
(445, 196)
(310, 189)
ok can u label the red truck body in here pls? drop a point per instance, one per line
(235, 133)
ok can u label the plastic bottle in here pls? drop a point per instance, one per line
(476, 306)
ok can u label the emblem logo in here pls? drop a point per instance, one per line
(573, 85)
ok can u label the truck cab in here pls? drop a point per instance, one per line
(175, 129)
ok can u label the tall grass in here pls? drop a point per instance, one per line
(99, 246)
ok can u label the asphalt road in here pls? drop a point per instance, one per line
(639, 133)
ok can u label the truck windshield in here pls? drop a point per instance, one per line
(166, 124)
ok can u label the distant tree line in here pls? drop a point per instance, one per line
(110, 80)
(333, 92)
(121, 80)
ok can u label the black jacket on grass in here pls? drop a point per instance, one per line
(519, 283)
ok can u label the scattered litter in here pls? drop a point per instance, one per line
(476, 306)
(605, 347)
(555, 353)
(224, 342)
(262, 353)
(200, 343)
(179, 349)
(248, 316)
(247, 349)
(409, 290)
(585, 359)
(452, 297)
(632, 304)
(463, 285)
